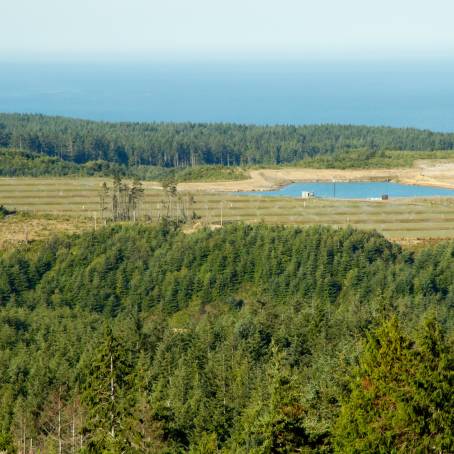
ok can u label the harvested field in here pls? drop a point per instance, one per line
(73, 204)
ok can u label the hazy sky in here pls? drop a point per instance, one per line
(227, 28)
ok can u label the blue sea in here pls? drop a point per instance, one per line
(405, 94)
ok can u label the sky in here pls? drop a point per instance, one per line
(226, 28)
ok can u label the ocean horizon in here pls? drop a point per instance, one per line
(415, 94)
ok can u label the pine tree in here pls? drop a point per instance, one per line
(109, 395)
(401, 396)
(274, 422)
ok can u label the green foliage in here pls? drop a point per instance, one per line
(6, 443)
(180, 175)
(401, 396)
(5, 212)
(37, 145)
(276, 423)
(109, 394)
(242, 339)
(16, 163)
(364, 158)
(190, 144)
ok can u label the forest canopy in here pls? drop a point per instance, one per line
(247, 339)
(192, 144)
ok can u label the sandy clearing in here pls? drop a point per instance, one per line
(14, 230)
(424, 172)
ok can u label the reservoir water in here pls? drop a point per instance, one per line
(356, 190)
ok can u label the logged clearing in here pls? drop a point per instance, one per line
(424, 172)
(25, 228)
(72, 204)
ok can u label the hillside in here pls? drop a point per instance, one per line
(189, 144)
(20, 163)
(243, 339)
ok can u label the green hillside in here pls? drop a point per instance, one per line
(244, 339)
(17, 163)
(191, 144)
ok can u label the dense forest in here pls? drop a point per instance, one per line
(16, 163)
(191, 144)
(246, 339)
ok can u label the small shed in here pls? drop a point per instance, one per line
(385, 197)
(307, 195)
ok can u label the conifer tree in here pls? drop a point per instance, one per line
(109, 395)
(401, 396)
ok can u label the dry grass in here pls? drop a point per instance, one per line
(70, 204)
(25, 228)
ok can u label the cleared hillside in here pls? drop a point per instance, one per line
(77, 201)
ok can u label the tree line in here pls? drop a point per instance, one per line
(193, 144)
(254, 339)
(17, 163)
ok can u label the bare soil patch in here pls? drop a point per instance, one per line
(424, 172)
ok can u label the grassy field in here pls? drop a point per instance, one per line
(71, 204)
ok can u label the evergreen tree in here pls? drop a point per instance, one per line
(401, 397)
(110, 396)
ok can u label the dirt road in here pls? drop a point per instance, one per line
(424, 172)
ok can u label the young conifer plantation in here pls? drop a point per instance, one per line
(245, 339)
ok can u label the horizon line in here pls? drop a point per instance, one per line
(258, 125)
(161, 57)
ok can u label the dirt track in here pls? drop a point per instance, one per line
(424, 172)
